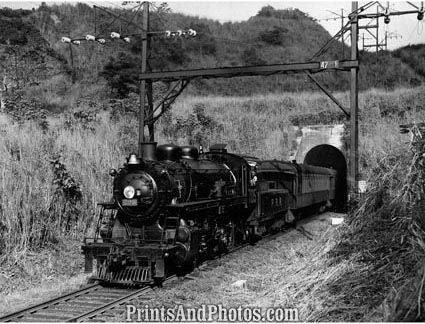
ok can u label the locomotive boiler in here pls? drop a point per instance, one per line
(175, 207)
(170, 210)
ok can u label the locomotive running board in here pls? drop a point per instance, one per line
(129, 275)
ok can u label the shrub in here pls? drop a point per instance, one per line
(196, 128)
(274, 36)
(250, 57)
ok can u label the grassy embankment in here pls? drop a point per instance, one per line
(41, 224)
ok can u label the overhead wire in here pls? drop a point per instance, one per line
(134, 16)
(159, 15)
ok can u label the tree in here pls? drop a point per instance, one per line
(122, 73)
(250, 57)
(267, 11)
(275, 36)
(204, 41)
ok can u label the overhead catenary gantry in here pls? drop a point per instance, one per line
(178, 80)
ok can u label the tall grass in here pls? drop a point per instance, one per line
(35, 212)
(30, 216)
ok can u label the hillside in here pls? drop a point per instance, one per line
(414, 56)
(272, 36)
(26, 57)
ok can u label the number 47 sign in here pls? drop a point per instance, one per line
(329, 65)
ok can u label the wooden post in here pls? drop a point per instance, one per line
(343, 33)
(151, 126)
(377, 31)
(71, 55)
(144, 34)
(354, 104)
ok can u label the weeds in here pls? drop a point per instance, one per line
(385, 238)
(66, 197)
(86, 119)
(22, 108)
(49, 202)
(196, 129)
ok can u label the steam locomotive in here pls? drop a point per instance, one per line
(176, 207)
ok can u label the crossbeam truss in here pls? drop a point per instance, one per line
(174, 90)
(180, 79)
(258, 70)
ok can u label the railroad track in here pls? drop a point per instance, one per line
(95, 301)
(80, 305)
(89, 303)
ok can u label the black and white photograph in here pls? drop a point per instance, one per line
(212, 161)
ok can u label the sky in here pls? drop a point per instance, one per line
(402, 30)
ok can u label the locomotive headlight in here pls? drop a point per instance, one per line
(129, 192)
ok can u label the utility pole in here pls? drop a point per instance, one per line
(144, 34)
(386, 40)
(369, 27)
(354, 104)
(343, 32)
(377, 32)
(72, 64)
(145, 116)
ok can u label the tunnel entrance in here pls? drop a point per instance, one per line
(329, 156)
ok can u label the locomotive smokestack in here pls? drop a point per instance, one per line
(148, 150)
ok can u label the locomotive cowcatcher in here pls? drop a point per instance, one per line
(176, 207)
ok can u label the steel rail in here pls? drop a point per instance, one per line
(99, 310)
(33, 309)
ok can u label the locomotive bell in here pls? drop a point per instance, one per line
(133, 159)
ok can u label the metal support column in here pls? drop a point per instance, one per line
(354, 104)
(71, 55)
(343, 33)
(377, 31)
(144, 34)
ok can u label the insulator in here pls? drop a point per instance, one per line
(192, 32)
(66, 40)
(126, 39)
(179, 33)
(76, 42)
(101, 40)
(115, 35)
(420, 15)
(90, 38)
(168, 33)
(387, 20)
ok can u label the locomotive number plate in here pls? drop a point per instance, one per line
(129, 202)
